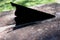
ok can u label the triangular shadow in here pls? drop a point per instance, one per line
(27, 15)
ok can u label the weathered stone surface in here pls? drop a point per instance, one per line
(44, 31)
(49, 30)
(48, 8)
(7, 18)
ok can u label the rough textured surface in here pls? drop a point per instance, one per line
(49, 8)
(7, 18)
(36, 32)
(49, 30)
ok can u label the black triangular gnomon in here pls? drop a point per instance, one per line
(27, 15)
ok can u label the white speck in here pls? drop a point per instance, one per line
(58, 15)
(40, 31)
(46, 28)
(32, 28)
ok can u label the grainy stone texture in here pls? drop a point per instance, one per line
(48, 8)
(49, 30)
(36, 32)
(7, 18)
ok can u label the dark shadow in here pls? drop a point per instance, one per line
(26, 15)
(24, 25)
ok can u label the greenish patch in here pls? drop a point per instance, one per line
(6, 6)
